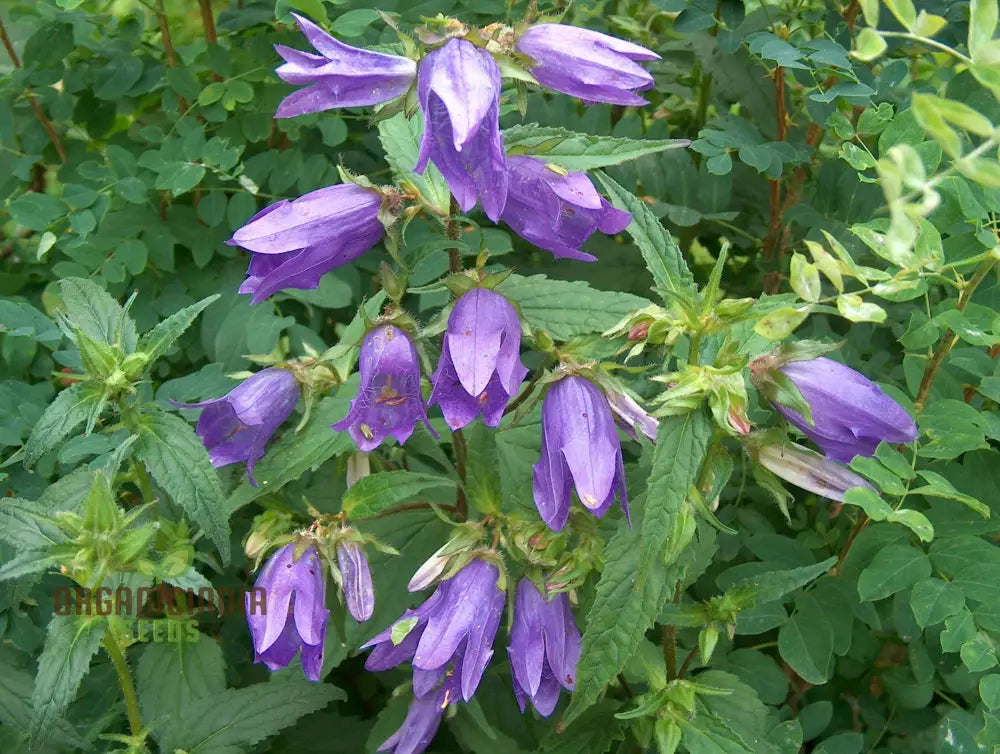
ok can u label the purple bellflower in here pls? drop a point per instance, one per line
(586, 64)
(340, 76)
(295, 615)
(851, 414)
(632, 417)
(237, 426)
(556, 210)
(580, 448)
(295, 243)
(422, 720)
(357, 580)
(453, 630)
(458, 86)
(388, 400)
(809, 470)
(544, 648)
(480, 368)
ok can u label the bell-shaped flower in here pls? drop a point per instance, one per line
(632, 417)
(808, 470)
(544, 648)
(557, 210)
(356, 577)
(452, 631)
(294, 615)
(580, 448)
(586, 64)
(388, 401)
(422, 720)
(295, 243)
(340, 76)
(458, 86)
(480, 367)
(238, 426)
(851, 414)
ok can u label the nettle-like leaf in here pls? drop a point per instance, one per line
(577, 151)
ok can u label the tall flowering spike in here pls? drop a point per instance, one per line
(809, 470)
(388, 401)
(295, 243)
(340, 76)
(237, 426)
(851, 414)
(480, 368)
(556, 210)
(357, 577)
(458, 86)
(454, 629)
(295, 616)
(422, 720)
(580, 448)
(587, 64)
(544, 648)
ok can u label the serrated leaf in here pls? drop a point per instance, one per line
(772, 585)
(660, 251)
(94, 311)
(21, 319)
(179, 463)
(71, 408)
(400, 137)
(27, 525)
(28, 563)
(16, 690)
(70, 644)
(157, 341)
(373, 494)
(577, 151)
(171, 676)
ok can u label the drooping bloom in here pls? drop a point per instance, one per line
(340, 76)
(851, 414)
(808, 470)
(388, 400)
(544, 648)
(458, 86)
(295, 243)
(295, 614)
(631, 417)
(587, 64)
(357, 579)
(422, 720)
(480, 367)
(556, 210)
(580, 449)
(453, 630)
(237, 426)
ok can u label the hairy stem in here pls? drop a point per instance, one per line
(125, 681)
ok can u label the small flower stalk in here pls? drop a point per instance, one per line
(581, 450)
(544, 648)
(356, 580)
(294, 243)
(458, 86)
(808, 470)
(557, 210)
(480, 368)
(237, 427)
(340, 75)
(295, 617)
(389, 400)
(452, 631)
(851, 415)
(586, 64)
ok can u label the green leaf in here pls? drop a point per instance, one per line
(36, 211)
(157, 341)
(805, 278)
(805, 641)
(938, 486)
(982, 26)
(874, 507)
(565, 308)
(888, 482)
(868, 45)
(853, 307)
(894, 568)
(171, 676)
(373, 494)
(236, 719)
(915, 521)
(354, 23)
(577, 151)
(400, 139)
(660, 251)
(895, 461)
(16, 690)
(772, 585)
(179, 463)
(482, 469)
(71, 408)
(21, 319)
(70, 644)
(592, 733)
(780, 323)
(27, 525)
(89, 307)
(932, 600)
(29, 562)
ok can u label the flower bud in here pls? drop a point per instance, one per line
(808, 470)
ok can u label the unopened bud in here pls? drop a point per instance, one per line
(639, 332)
(808, 470)
(358, 466)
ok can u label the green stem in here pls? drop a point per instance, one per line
(143, 481)
(125, 681)
(929, 42)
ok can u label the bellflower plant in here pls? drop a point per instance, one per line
(294, 243)
(388, 400)
(295, 617)
(851, 414)
(340, 76)
(480, 368)
(237, 427)
(451, 634)
(422, 720)
(557, 210)
(580, 448)
(586, 64)
(458, 86)
(356, 577)
(544, 648)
